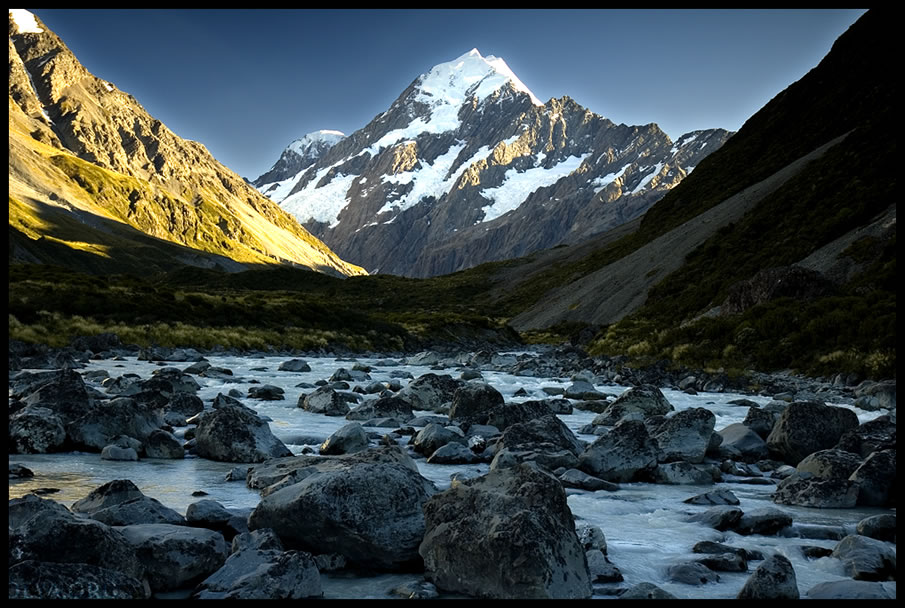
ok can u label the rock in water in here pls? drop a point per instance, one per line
(234, 433)
(507, 534)
(772, 580)
(805, 427)
(369, 512)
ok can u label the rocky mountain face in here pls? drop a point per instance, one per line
(468, 166)
(90, 169)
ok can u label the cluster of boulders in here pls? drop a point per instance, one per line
(508, 533)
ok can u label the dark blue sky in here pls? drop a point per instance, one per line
(247, 82)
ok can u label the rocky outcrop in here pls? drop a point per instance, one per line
(507, 534)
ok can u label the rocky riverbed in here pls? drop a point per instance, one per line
(526, 474)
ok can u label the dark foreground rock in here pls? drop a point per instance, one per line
(235, 433)
(368, 511)
(121, 503)
(507, 534)
(31, 580)
(772, 580)
(806, 427)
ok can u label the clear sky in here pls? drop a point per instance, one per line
(245, 83)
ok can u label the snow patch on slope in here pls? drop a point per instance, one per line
(600, 183)
(429, 180)
(648, 178)
(321, 204)
(517, 187)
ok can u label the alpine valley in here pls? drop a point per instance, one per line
(569, 327)
(468, 166)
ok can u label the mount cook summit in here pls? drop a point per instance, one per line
(468, 166)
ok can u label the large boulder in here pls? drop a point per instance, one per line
(161, 444)
(63, 392)
(350, 438)
(685, 436)
(175, 557)
(45, 531)
(472, 404)
(325, 400)
(774, 579)
(36, 430)
(852, 590)
(507, 534)
(866, 559)
(234, 433)
(821, 480)
(383, 407)
(876, 478)
(646, 400)
(97, 428)
(740, 442)
(880, 527)
(626, 453)
(263, 574)
(431, 392)
(872, 436)
(434, 436)
(507, 414)
(32, 580)
(294, 365)
(368, 510)
(546, 432)
(806, 427)
(121, 503)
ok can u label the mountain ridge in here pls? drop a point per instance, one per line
(65, 122)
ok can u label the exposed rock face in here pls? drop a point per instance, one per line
(235, 433)
(109, 157)
(298, 156)
(788, 281)
(507, 534)
(806, 427)
(418, 195)
(366, 509)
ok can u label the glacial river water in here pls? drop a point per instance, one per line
(645, 524)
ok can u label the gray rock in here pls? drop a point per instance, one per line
(806, 491)
(625, 454)
(19, 471)
(509, 533)
(544, 433)
(472, 404)
(175, 557)
(830, 464)
(591, 538)
(646, 591)
(434, 436)
(879, 527)
(646, 400)
(45, 531)
(573, 478)
(121, 416)
(32, 580)
(601, 569)
(504, 415)
(851, 590)
(684, 473)
(774, 579)
(583, 391)
(545, 456)
(806, 427)
(453, 453)
(384, 407)
(36, 430)
(121, 503)
(416, 590)
(876, 478)
(866, 559)
(294, 365)
(266, 392)
(685, 436)
(766, 521)
(716, 497)
(431, 392)
(741, 443)
(212, 515)
(761, 421)
(115, 452)
(712, 548)
(263, 574)
(325, 400)
(237, 474)
(236, 434)
(350, 438)
(161, 444)
(692, 573)
(725, 562)
(366, 507)
(872, 436)
(720, 518)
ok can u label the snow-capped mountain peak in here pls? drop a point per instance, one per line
(25, 21)
(314, 143)
(470, 74)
